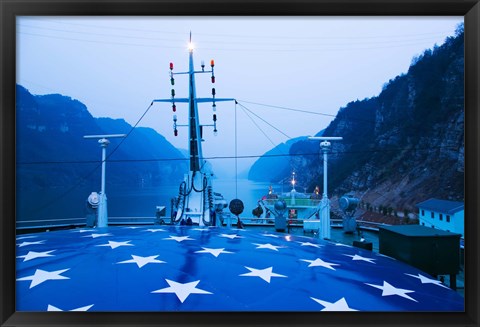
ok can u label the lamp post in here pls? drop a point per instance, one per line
(102, 205)
(325, 202)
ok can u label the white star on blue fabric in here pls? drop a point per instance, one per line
(142, 261)
(214, 252)
(359, 257)
(426, 280)
(268, 246)
(30, 243)
(53, 308)
(271, 235)
(388, 290)
(98, 235)
(152, 230)
(340, 305)
(182, 290)
(82, 230)
(25, 237)
(341, 244)
(179, 238)
(265, 274)
(320, 263)
(231, 236)
(41, 276)
(33, 255)
(115, 245)
(309, 244)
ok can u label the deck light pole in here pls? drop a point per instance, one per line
(102, 205)
(325, 202)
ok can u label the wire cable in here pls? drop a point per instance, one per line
(266, 122)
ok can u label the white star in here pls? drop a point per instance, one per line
(155, 230)
(388, 290)
(215, 252)
(33, 255)
(200, 229)
(179, 238)
(320, 263)
(142, 261)
(41, 276)
(85, 308)
(231, 236)
(264, 274)
(115, 245)
(340, 305)
(309, 244)
(25, 237)
(357, 257)
(30, 243)
(426, 280)
(271, 235)
(341, 244)
(268, 246)
(98, 235)
(182, 291)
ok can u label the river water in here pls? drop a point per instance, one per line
(62, 203)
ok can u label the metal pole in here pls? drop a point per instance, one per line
(325, 203)
(102, 206)
(325, 211)
(325, 147)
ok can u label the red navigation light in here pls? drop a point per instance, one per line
(171, 66)
(174, 108)
(213, 91)
(213, 79)
(212, 63)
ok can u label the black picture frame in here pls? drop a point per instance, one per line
(470, 9)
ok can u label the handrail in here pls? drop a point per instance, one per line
(80, 221)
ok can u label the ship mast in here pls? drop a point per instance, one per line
(195, 201)
(195, 146)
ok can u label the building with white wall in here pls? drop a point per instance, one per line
(442, 214)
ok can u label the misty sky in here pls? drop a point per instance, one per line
(116, 66)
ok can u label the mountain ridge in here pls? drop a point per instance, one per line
(404, 145)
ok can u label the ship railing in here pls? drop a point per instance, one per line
(302, 202)
(47, 224)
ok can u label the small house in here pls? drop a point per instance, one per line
(442, 214)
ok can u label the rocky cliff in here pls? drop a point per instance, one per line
(403, 146)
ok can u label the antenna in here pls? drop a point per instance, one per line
(102, 205)
(325, 203)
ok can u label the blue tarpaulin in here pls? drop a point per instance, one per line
(191, 268)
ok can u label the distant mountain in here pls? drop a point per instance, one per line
(51, 151)
(273, 165)
(404, 145)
